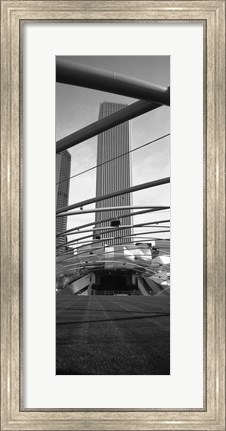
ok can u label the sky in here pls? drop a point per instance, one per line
(77, 107)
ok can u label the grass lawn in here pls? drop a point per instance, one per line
(113, 335)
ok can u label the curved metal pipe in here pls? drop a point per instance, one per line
(110, 219)
(118, 117)
(96, 210)
(142, 186)
(71, 73)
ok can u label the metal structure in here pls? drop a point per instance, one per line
(139, 259)
(143, 186)
(68, 72)
(107, 238)
(100, 210)
(119, 117)
(112, 229)
(135, 213)
(79, 231)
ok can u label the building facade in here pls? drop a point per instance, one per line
(63, 171)
(113, 176)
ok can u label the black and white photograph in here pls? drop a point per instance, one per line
(113, 215)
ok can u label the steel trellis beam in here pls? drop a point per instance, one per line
(142, 240)
(110, 219)
(109, 238)
(80, 250)
(83, 254)
(118, 117)
(118, 208)
(68, 72)
(142, 186)
(112, 229)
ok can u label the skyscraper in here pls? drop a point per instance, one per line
(63, 169)
(115, 175)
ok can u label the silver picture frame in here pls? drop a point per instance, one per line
(13, 15)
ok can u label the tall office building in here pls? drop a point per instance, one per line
(115, 175)
(63, 170)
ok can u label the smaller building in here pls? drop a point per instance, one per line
(63, 171)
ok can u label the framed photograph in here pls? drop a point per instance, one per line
(113, 215)
(112, 255)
